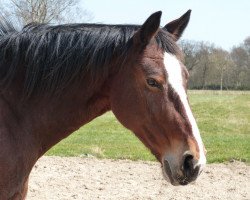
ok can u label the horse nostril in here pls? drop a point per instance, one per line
(188, 164)
(190, 168)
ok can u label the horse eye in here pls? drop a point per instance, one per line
(153, 83)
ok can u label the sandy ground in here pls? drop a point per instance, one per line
(55, 178)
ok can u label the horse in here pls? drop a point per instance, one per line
(56, 78)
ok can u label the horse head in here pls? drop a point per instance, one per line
(149, 97)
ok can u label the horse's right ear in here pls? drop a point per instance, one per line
(149, 29)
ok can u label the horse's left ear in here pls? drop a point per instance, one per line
(149, 29)
(177, 27)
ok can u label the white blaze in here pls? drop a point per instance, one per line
(174, 71)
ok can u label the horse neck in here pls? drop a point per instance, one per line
(49, 120)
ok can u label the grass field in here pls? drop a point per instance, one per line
(223, 119)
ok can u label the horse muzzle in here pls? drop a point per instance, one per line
(181, 174)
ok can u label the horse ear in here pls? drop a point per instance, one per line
(149, 29)
(177, 27)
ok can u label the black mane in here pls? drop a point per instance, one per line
(51, 57)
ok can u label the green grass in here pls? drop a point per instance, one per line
(223, 119)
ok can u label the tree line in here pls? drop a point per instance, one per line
(214, 68)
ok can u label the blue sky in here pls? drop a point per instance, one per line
(223, 22)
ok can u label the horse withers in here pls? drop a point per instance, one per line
(54, 79)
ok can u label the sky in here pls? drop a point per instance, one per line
(225, 23)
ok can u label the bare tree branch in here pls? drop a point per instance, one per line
(44, 11)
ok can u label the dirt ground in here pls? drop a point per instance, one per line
(55, 178)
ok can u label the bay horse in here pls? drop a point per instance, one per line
(54, 79)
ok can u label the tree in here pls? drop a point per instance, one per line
(221, 61)
(197, 61)
(190, 50)
(247, 44)
(204, 56)
(44, 11)
(241, 59)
